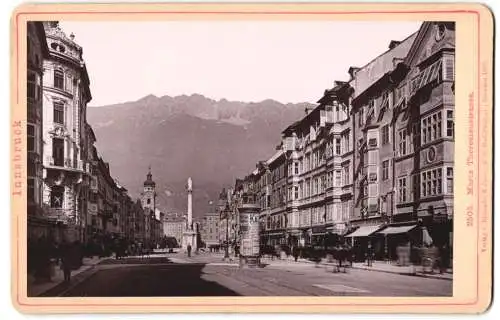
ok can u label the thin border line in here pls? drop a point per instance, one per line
(478, 16)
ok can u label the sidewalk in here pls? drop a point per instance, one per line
(377, 266)
(38, 288)
(410, 270)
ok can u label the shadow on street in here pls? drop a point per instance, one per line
(154, 279)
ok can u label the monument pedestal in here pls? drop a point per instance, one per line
(189, 238)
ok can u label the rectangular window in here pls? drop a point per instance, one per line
(347, 179)
(58, 151)
(31, 168)
(450, 124)
(346, 142)
(296, 192)
(431, 127)
(337, 146)
(402, 142)
(385, 134)
(31, 190)
(32, 87)
(31, 138)
(338, 178)
(385, 170)
(58, 79)
(402, 189)
(58, 113)
(69, 84)
(296, 167)
(449, 180)
(431, 182)
(361, 117)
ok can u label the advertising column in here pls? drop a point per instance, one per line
(249, 232)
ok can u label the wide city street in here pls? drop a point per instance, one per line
(207, 275)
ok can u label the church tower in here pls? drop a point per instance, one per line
(149, 192)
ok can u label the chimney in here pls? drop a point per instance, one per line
(352, 71)
(307, 110)
(393, 44)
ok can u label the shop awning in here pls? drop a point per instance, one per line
(397, 230)
(363, 231)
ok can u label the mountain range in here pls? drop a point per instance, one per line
(213, 142)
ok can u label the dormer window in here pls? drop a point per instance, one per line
(440, 31)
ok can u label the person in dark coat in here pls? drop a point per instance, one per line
(66, 255)
(189, 250)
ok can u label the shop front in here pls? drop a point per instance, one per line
(363, 242)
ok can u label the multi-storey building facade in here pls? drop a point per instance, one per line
(66, 94)
(37, 51)
(209, 229)
(424, 120)
(320, 152)
(273, 199)
(403, 119)
(373, 162)
(174, 226)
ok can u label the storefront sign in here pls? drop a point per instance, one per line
(249, 228)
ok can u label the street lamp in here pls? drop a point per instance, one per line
(226, 212)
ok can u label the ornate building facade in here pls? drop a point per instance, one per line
(66, 168)
(372, 163)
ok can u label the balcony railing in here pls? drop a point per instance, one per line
(65, 163)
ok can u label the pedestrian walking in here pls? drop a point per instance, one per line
(369, 255)
(66, 256)
(295, 254)
(189, 250)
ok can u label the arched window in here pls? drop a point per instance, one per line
(58, 79)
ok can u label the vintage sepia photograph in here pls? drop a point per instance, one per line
(240, 158)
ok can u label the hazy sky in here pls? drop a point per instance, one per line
(237, 60)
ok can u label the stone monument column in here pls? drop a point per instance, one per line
(189, 235)
(190, 204)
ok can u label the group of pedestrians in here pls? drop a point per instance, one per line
(44, 255)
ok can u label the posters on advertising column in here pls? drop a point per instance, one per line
(249, 227)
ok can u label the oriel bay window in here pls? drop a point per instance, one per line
(450, 124)
(385, 169)
(449, 180)
(402, 190)
(337, 146)
(431, 182)
(385, 134)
